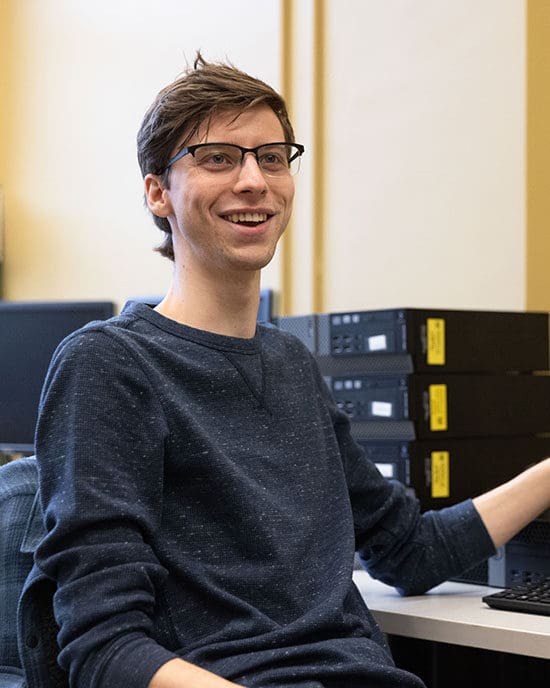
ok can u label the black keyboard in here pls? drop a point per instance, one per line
(533, 598)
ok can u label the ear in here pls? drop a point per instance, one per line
(157, 196)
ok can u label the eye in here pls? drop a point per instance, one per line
(217, 158)
(275, 158)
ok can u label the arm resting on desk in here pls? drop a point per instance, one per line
(511, 506)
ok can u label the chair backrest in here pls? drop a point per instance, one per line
(28, 646)
(18, 488)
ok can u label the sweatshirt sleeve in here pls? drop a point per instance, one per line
(99, 446)
(407, 549)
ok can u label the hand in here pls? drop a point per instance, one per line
(177, 673)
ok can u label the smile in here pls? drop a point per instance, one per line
(254, 218)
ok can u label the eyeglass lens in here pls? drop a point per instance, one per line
(273, 159)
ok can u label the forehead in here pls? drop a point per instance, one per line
(259, 123)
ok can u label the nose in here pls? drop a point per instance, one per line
(251, 177)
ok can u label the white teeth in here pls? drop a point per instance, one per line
(247, 217)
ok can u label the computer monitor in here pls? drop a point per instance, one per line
(268, 306)
(29, 334)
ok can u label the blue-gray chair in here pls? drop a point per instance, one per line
(28, 649)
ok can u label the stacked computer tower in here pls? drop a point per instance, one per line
(449, 402)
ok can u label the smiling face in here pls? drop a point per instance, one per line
(229, 223)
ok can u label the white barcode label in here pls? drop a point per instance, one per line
(381, 408)
(378, 343)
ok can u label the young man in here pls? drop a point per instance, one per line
(202, 493)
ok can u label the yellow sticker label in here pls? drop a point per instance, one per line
(441, 483)
(436, 341)
(438, 407)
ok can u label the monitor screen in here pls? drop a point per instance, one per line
(266, 309)
(29, 334)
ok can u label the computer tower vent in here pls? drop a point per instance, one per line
(534, 533)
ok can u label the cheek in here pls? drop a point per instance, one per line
(290, 202)
(187, 207)
(290, 194)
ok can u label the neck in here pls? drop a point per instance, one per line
(227, 305)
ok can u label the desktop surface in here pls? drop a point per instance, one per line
(455, 613)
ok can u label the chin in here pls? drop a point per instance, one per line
(253, 262)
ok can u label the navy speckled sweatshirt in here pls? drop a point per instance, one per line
(203, 499)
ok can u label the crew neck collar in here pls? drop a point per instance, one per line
(205, 337)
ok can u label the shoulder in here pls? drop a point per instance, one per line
(94, 360)
(274, 337)
(99, 338)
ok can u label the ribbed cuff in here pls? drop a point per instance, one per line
(131, 662)
(469, 538)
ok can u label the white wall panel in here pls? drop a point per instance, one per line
(426, 144)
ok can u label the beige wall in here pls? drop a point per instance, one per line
(80, 75)
(5, 52)
(423, 191)
(424, 184)
(538, 155)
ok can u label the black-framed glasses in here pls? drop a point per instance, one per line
(277, 159)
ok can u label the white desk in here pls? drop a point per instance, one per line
(454, 613)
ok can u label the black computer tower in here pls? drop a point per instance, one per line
(449, 405)
(425, 340)
(443, 472)
(449, 402)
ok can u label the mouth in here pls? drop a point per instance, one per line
(247, 219)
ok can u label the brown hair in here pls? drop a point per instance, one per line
(184, 105)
